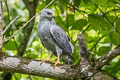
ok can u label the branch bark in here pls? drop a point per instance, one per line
(83, 71)
(35, 67)
(108, 57)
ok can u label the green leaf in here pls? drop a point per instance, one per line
(33, 56)
(103, 50)
(76, 57)
(70, 19)
(62, 6)
(98, 22)
(88, 5)
(31, 0)
(77, 2)
(86, 1)
(41, 6)
(115, 38)
(118, 25)
(48, 1)
(10, 45)
(79, 24)
(116, 1)
(106, 40)
(17, 76)
(105, 3)
(18, 37)
(60, 22)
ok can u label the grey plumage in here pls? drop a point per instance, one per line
(52, 36)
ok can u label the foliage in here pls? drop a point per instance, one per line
(74, 16)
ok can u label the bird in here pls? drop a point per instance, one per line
(53, 37)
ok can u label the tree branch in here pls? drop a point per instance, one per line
(86, 68)
(108, 57)
(8, 38)
(77, 9)
(36, 67)
(112, 11)
(28, 26)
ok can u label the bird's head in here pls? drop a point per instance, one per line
(47, 13)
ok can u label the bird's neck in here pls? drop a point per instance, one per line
(45, 20)
(53, 21)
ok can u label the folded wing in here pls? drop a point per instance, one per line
(61, 38)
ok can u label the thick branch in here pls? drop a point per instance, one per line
(108, 57)
(29, 27)
(35, 67)
(86, 68)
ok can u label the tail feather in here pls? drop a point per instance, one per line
(67, 59)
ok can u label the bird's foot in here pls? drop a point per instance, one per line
(55, 63)
(47, 60)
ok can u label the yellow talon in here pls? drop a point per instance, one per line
(57, 62)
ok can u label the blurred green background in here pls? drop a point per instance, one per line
(98, 20)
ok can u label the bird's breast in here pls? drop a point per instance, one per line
(46, 37)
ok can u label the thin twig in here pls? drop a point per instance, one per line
(7, 39)
(100, 40)
(85, 29)
(103, 13)
(7, 8)
(112, 11)
(76, 8)
(82, 33)
(10, 24)
(9, 20)
(97, 42)
(49, 4)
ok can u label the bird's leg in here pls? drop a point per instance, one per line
(58, 60)
(59, 52)
(48, 59)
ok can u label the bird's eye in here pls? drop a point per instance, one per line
(49, 13)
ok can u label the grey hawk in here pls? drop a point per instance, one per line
(53, 38)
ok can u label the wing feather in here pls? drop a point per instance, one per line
(61, 38)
